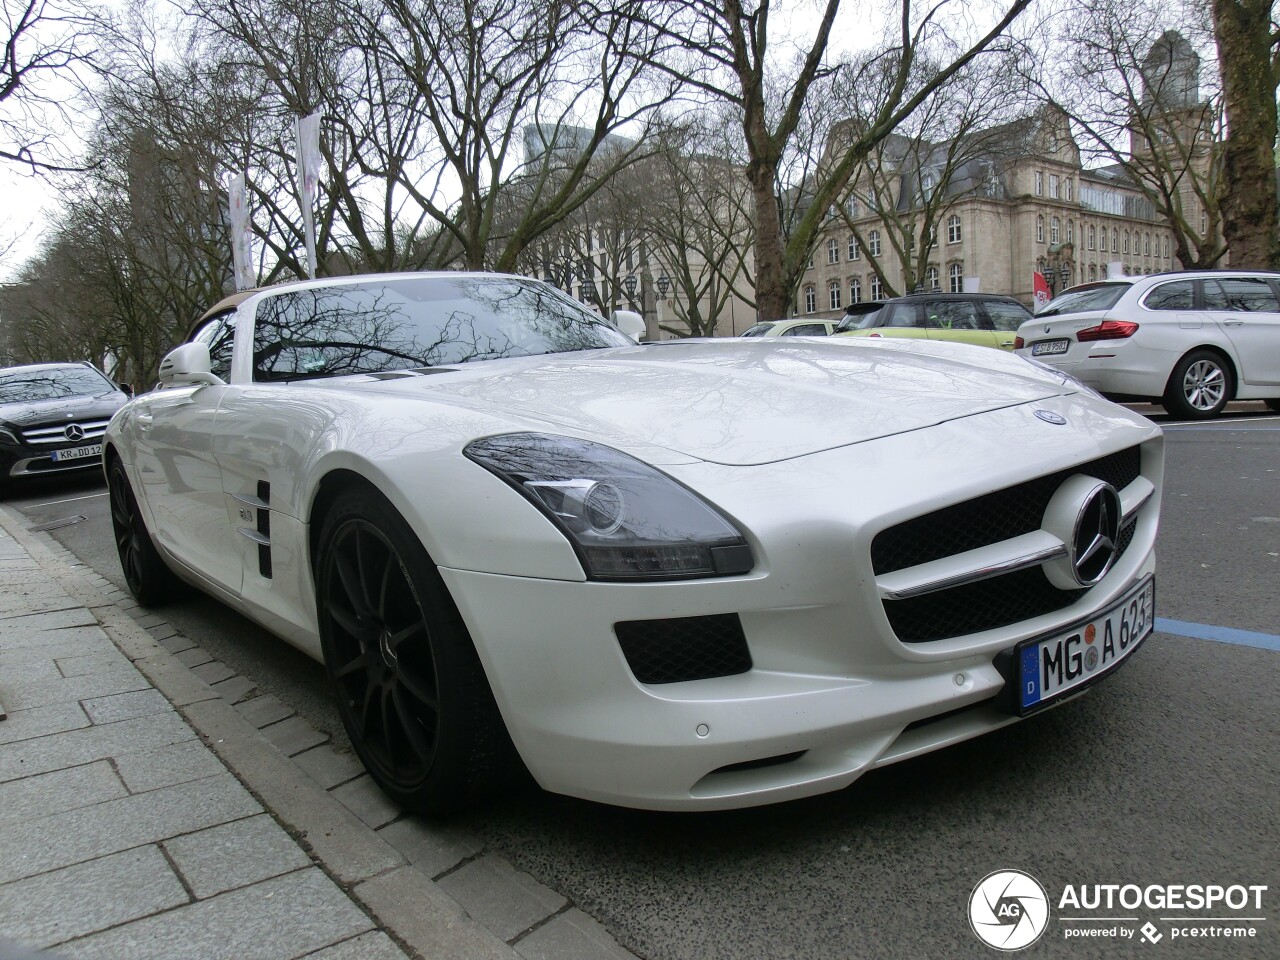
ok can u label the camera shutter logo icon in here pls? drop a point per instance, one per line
(1009, 910)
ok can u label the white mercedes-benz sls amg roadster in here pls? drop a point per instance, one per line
(677, 576)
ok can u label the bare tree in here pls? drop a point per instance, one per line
(1133, 90)
(46, 48)
(724, 48)
(952, 148)
(1249, 60)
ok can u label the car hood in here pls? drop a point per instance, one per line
(739, 402)
(31, 413)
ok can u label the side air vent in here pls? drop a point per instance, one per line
(260, 532)
(684, 648)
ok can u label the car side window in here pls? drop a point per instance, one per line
(951, 315)
(1007, 316)
(218, 334)
(1178, 295)
(1240, 295)
(807, 330)
(903, 315)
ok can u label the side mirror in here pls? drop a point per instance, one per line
(629, 322)
(188, 363)
(126, 389)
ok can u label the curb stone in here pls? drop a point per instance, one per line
(388, 862)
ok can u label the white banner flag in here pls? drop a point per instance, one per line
(308, 134)
(241, 233)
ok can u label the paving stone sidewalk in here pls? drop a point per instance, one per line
(149, 808)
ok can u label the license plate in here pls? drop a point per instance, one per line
(77, 453)
(1049, 348)
(1050, 668)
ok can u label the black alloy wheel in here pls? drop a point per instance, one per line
(411, 690)
(145, 573)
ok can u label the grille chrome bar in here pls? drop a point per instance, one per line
(972, 566)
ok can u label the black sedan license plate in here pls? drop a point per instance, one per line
(77, 453)
(1049, 348)
(1050, 668)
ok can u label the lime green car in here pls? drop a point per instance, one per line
(983, 319)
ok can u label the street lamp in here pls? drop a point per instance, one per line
(630, 282)
(664, 283)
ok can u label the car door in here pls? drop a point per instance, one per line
(1005, 317)
(808, 330)
(1247, 311)
(178, 475)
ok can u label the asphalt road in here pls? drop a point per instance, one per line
(1167, 773)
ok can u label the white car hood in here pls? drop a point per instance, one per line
(737, 402)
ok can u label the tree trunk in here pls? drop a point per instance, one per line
(1250, 222)
(772, 288)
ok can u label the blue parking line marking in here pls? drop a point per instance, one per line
(1204, 631)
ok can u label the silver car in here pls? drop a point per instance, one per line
(1191, 341)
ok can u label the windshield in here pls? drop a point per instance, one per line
(1093, 296)
(51, 383)
(402, 323)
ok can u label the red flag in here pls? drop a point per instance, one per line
(1039, 289)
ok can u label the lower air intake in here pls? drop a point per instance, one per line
(684, 648)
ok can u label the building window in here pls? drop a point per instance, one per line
(1040, 228)
(1146, 244)
(810, 299)
(953, 229)
(1204, 221)
(934, 279)
(1093, 238)
(833, 251)
(873, 244)
(853, 248)
(1039, 183)
(956, 272)
(1070, 188)
(1126, 241)
(933, 235)
(1115, 240)
(810, 264)
(875, 287)
(1166, 248)
(833, 290)
(855, 290)
(1071, 230)
(1093, 272)
(1053, 186)
(1055, 230)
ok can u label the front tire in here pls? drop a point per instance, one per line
(411, 690)
(145, 573)
(1200, 386)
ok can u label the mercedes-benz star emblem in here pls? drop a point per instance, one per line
(74, 432)
(1093, 548)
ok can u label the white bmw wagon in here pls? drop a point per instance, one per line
(1191, 341)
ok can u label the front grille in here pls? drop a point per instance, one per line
(989, 518)
(55, 435)
(684, 648)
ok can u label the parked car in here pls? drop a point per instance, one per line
(52, 418)
(790, 328)
(984, 319)
(1192, 341)
(516, 537)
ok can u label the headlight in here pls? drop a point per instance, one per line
(625, 519)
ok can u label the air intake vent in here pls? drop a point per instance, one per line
(684, 648)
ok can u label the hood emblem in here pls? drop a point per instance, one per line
(1048, 416)
(74, 433)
